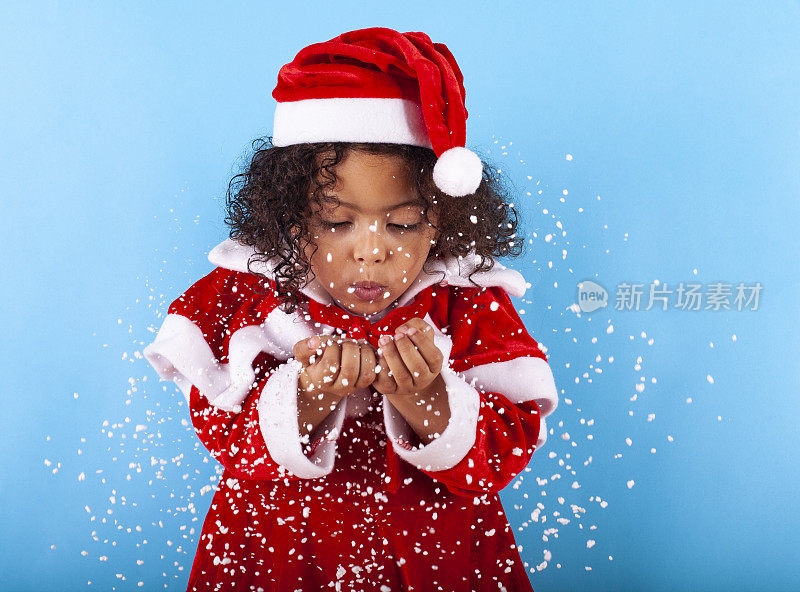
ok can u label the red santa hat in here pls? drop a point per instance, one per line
(379, 85)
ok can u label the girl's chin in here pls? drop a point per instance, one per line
(373, 306)
(360, 306)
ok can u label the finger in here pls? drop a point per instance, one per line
(421, 334)
(427, 348)
(417, 323)
(328, 365)
(349, 367)
(396, 365)
(325, 340)
(412, 359)
(305, 348)
(367, 374)
(383, 382)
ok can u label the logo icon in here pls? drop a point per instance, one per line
(591, 296)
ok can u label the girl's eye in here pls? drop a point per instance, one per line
(327, 224)
(403, 227)
(399, 227)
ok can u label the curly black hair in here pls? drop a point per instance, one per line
(268, 208)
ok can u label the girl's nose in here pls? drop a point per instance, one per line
(370, 245)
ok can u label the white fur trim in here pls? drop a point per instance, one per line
(454, 443)
(520, 379)
(180, 353)
(542, 433)
(243, 347)
(458, 171)
(233, 255)
(395, 121)
(443, 341)
(457, 269)
(277, 413)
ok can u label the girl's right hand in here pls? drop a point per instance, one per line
(337, 366)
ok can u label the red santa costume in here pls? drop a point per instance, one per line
(363, 504)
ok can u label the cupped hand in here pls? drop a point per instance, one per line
(408, 364)
(334, 365)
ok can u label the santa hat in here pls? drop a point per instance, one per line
(379, 85)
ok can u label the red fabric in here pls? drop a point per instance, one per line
(375, 519)
(343, 532)
(221, 303)
(377, 62)
(486, 328)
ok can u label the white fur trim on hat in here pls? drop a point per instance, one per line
(394, 121)
(458, 171)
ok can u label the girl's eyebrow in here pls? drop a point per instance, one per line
(333, 199)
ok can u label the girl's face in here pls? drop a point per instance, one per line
(377, 233)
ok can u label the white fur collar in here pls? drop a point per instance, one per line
(453, 271)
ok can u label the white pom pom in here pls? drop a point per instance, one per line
(458, 171)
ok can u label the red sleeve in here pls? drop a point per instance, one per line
(485, 328)
(216, 344)
(236, 440)
(499, 388)
(505, 440)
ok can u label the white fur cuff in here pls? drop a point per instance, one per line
(520, 379)
(454, 443)
(180, 353)
(277, 413)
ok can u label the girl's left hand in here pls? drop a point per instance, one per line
(412, 358)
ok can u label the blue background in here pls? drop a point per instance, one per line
(122, 124)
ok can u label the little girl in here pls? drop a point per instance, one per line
(354, 360)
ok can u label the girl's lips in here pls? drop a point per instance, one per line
(368, 294)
